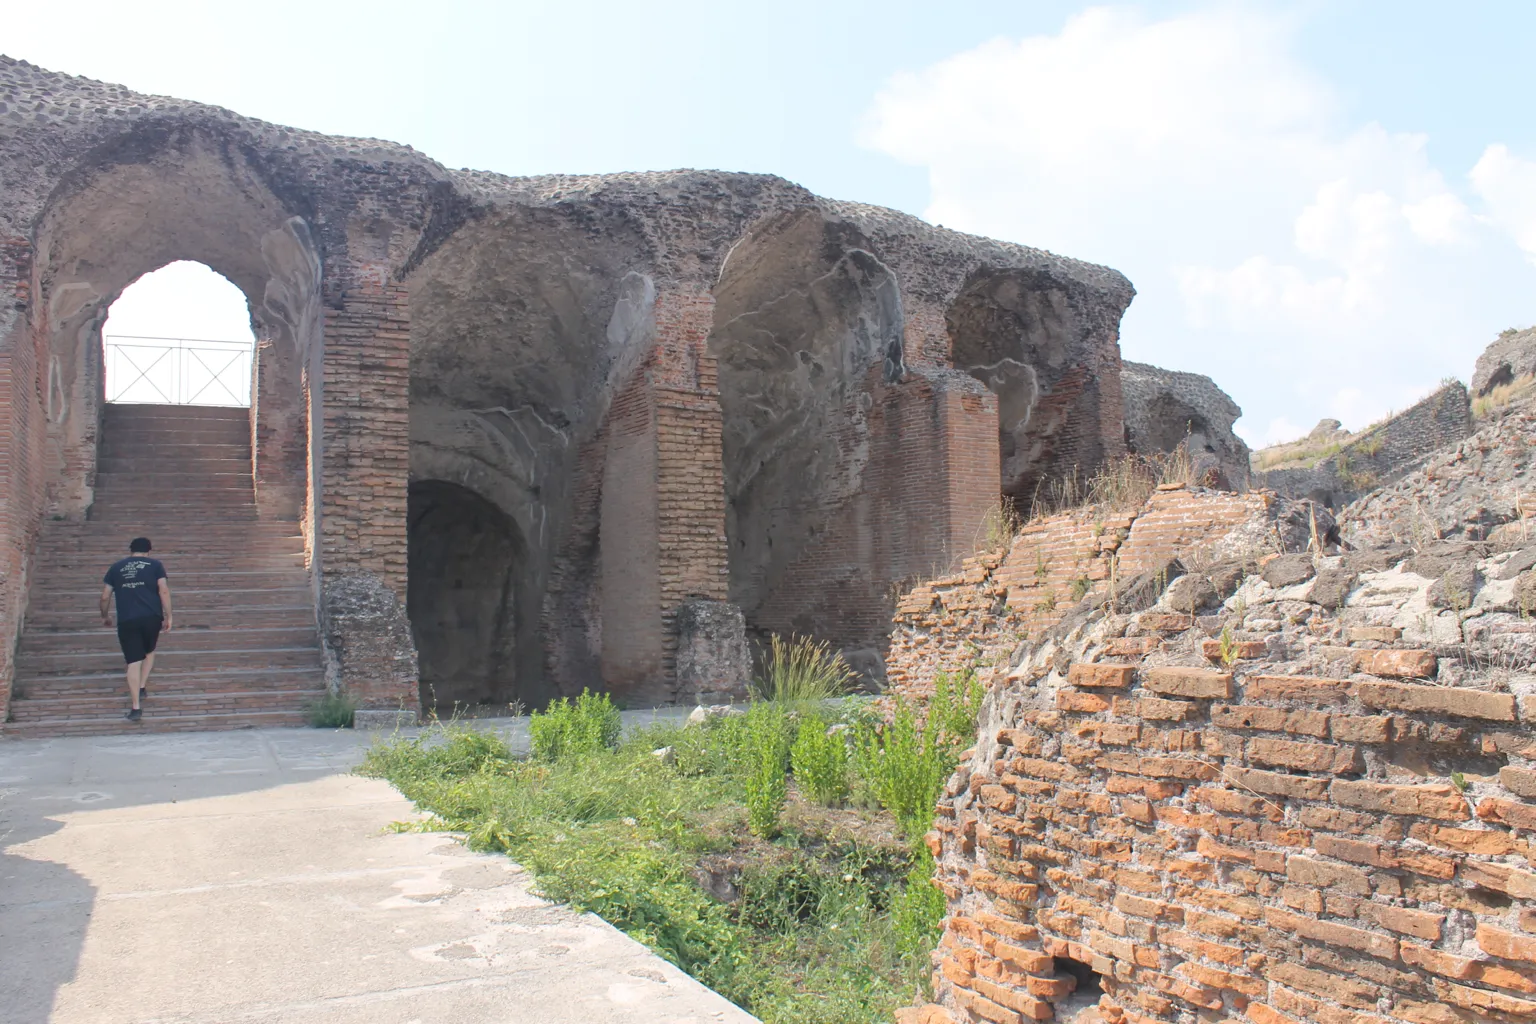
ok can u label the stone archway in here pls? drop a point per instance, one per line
(467, 559)
(179, 196)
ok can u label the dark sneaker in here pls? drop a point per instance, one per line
(143, 692)
(135, 714)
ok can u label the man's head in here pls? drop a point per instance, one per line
(139, 546)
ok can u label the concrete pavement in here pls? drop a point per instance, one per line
(245, 876)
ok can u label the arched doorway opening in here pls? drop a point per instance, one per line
(180, 335)
(466, 560)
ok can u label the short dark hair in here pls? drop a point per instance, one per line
(139, 546)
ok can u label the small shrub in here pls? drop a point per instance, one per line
(1080, 587)
(820, 763)
(767, 750)
(904, 770)
(954, 709)
(589, 724)
(802, 671)
(333, 711)
(918, 912)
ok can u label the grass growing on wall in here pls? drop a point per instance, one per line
(836, 914)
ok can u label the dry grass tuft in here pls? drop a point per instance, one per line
(1496, 402)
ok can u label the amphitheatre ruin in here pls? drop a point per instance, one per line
(1256, 747)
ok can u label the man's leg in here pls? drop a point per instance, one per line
(148, 663)
(133, 684)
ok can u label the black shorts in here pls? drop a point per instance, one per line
(138, 638)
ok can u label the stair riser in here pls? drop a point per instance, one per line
(52, 645)
(118, 726)
(187, 620)
(37, 666)
(91, 708)
(169, 681)
(184, 603)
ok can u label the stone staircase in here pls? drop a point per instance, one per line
(244, 651)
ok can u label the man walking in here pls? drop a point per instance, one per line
(143, 610)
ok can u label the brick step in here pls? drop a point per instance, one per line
(170, 655)
(171, 453)
(228, 432)
(187, 618)
(132, 410)
(153, 519)
(94, 706)
(117, 725)
(47, 644)
(171, 680)
(191, 482)
(278, 571)
(187, 600)
(268, 555)
(94, 537)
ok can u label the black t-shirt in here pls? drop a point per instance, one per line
(136, 582)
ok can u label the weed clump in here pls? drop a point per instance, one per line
(819, 759)
(801, 671)
(333, 711)
(585, 726)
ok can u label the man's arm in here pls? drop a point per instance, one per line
(106, 604)
(165, 603)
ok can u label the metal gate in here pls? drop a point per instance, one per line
(177, 371)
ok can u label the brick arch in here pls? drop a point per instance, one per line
(808, 327)
(174, 196)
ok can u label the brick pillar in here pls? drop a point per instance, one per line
(22, 437)
(364, 467)
(279, 435)
(936, 470)
(663, 507)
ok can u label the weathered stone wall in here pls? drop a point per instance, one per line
(1166, 409)
(21, 432)
(1382, 455)
(998, 602)
(1511, 355)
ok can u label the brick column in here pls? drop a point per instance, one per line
(22, 437)
(936, 470)
(364, 475)
(663, 507)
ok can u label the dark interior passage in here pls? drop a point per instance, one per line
(465, 561)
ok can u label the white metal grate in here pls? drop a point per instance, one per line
(177, 371)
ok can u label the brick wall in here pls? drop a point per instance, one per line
(999, 600)
(21, 441)
(662, 520)
(1212, 844)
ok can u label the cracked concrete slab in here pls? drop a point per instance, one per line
(247, 877)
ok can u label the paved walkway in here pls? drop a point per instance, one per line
(245, 876)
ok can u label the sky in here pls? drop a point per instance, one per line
(1328, 207)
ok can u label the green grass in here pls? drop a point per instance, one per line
(837, 913)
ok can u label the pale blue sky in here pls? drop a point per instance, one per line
(1291, 187)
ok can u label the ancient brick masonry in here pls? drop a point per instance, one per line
(363, 474)
(21, 431)
(1000, 600)
(1279, 807)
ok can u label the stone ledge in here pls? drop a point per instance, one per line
(376, 719)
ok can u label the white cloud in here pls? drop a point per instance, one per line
(1508, 185)
(1274, 246)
